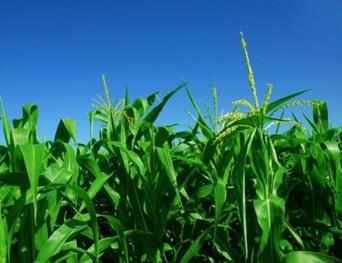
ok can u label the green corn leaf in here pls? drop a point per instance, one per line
(154, 113)
(100, 181)
(89, 164)
(295, 235)
(103, 244)
(15, 212)
(66, 130)
(26, 235)
(68, 169)
(167, 164)
(333, 154)
(70, 161)
(308, 256)
(108, 242)
(132, 156)
(6, 126)
(91, 117)
(201, 120)
(30, 117)
(57, 240)
(194, 248)
(275, 104)
(20, 136)
(239, 182)
(95, 187)
(270, 214)
(113, 194)
(118, 227)
(33, 156)
(204, 191)
(311, 123)
(3, 240)
(56, 174)
(126, 97)
(220, 198)
(141, 105)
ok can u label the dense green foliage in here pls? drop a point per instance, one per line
(230, 189)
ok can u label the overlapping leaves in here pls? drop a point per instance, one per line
(226, 190)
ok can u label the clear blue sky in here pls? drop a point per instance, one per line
(53, 53)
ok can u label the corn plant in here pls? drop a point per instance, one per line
(228, 189)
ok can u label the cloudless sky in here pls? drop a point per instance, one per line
(53, 53)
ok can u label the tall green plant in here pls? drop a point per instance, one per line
(227, 189)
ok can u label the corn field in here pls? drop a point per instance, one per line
(249, 185)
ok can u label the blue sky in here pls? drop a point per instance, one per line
(53, 53)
